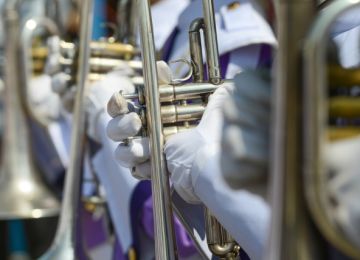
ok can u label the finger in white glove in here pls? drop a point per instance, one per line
(142, 171)
(130, 124)
(126, 124)
(97, 98)
(135, 152)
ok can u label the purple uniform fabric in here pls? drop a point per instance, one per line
(184, 243)
(94, 231)
(118, 254)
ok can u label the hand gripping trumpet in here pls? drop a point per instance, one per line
(303, 110)
(22, 194)
(167, 110)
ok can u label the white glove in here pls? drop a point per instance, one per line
(182, 149)
(126, 124)
(98, 96)
(343, 165)
(245, 139)
(45, 102)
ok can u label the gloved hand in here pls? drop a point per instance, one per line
(126, 124)
(45, 103)
(180, 149)
(341, 158)
(245, 138)
(97, 96)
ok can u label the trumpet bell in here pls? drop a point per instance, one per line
(26, 197)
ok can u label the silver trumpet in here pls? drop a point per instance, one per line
(22, 193)
(67, 244)
(300, 221)
(168, 112)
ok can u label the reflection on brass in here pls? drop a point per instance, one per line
(106, 49)
(345, 107)
(39, 52)
(338, 133)
(339, 76)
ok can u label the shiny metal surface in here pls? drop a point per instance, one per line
(318, 107)
(291, 234)
(219, 240)
(27, 35)
(187, 91)
(22, 193)
(196, 53)
(212, 50)
(67, 244)
(165, 247)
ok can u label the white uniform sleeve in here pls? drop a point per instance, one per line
(245, 215)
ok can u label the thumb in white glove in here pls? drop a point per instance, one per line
(98, 96)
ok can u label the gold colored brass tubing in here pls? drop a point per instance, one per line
(339, 76)
(181, 113)
(112, 49)
(347, 107)
(39, 53)
(339, 133)
(38, 65)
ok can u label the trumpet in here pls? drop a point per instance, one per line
(22, 194)
(168, 112)
(300, 221)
